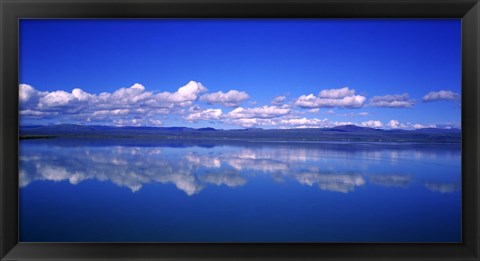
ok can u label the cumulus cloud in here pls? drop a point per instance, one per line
(343, 97)
(393, 124)
(232, 98)
(392, 101)
(283, 121)
(26, 92)
(258, 116)
(336, 93)
(137, 122)
(34, 113)
(136, 106)
(441, 96)
(123, 106)
(208, 114)
(184, 96)
(304, 122)
(111, 112)
(56, 99)
(28, 96)
(422, 126)
(372, 124)
(123, 97)
(301, 123)
(264, 112)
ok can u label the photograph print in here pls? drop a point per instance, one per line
(240, 130)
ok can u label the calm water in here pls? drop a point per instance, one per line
(139, 190)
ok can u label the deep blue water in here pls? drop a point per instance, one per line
(142, 190)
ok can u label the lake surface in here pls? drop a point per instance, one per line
(146, 190)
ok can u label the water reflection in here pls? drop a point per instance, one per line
(402, 181)
(331, 181)
(442, 187)
(331, 167)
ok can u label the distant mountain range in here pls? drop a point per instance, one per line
(339, 133)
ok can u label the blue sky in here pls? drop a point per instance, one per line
(233, 73)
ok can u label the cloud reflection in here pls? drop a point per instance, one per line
(333, 182)
(192, 169)
(402, 181)
(442, 187)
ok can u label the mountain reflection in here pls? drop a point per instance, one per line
(191, 169)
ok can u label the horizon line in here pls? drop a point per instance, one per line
(244, 128)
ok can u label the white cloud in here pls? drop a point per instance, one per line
(285, 121)
(56, 99)
(336, 93)
(393, 124)
(392, 101)
(29, 112)
(135, 106)
(208, 114)
(120, 107)
(137, 122)
(343, 97)
(304, 122)
(25, 92)
(232, 98)
(363, 114)
(251, 122)
(258, 116)
(372, 124)
(111, 112)
(422, 126)
(28, 94)
(185, 95)
(136, 96)
(81, 95)
(441, 95)
(279, 100)
(264, 112)
(125, 96)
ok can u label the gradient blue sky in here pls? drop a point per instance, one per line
(403, 73)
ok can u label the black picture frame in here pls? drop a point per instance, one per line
(12, 10)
